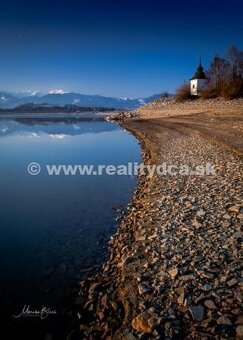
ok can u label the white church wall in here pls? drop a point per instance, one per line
(196, 86)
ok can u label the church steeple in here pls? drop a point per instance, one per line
(198, 81)
(199, 74)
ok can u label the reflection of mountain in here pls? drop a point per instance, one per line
(8, 100)
(55, 128)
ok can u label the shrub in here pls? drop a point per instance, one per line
(232, 90)
(164, 95)
(183, 93)
(208, 93)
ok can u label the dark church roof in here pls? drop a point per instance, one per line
(199, 74)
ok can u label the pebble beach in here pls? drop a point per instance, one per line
(174, 268)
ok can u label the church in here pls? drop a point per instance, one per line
(198, 81)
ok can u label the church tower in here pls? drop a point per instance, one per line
(197, 82)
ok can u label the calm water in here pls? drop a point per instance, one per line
(53, 228)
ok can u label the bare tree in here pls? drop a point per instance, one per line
(235, 58)
(218, 74)
(225, 75)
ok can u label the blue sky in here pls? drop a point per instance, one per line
(112, 47)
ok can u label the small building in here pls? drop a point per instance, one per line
(198, 81)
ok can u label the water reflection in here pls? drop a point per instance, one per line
(54, 228)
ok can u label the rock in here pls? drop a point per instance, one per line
(145, 322)
(114, 305)
(234, 209)
(207, 287)
(181, 298)
(179, 290)
(101, 315)
(143, 288)
(188, 301)
(103, 301)
(93, 287)
(197, 312)
(210, 304)
(200, 213)
(232, 282)
(151, 237)
(141, 238)
(239, 332)
(129, 336)
(239, 320)
(225, 225)
(223, 320)
(187, 277)
(197, 224)
(173, 273)
(225, 331)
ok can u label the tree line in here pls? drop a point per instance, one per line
(225, 75)
(224, 78)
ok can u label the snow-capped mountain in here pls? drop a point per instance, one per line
(29, 93)
(60, 97)
(56, 91)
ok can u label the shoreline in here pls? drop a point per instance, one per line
(148, 286)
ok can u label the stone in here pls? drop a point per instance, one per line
(226, 224)
(93, 287)
(197, 312)
(197, 224)
(179, 290)
(210, 304)
(173, 272)
(232, 282)
(143, 288)
(188, 301)
(207, 287)
(239, 320)
(234, 209)
(151, 237)
(101, 315)
(103, 301)
(201, 213)
(141, 238)
(181, 298)
(239, 332)
(129, 336)
(187, 277)
(223, 320)
(145, 322)
(114, 305)
(225, 331)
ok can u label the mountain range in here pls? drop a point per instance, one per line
(58, 97)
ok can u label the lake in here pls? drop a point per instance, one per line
(55, 228)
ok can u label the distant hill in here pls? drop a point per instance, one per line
(11, 100)
(49, 108)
